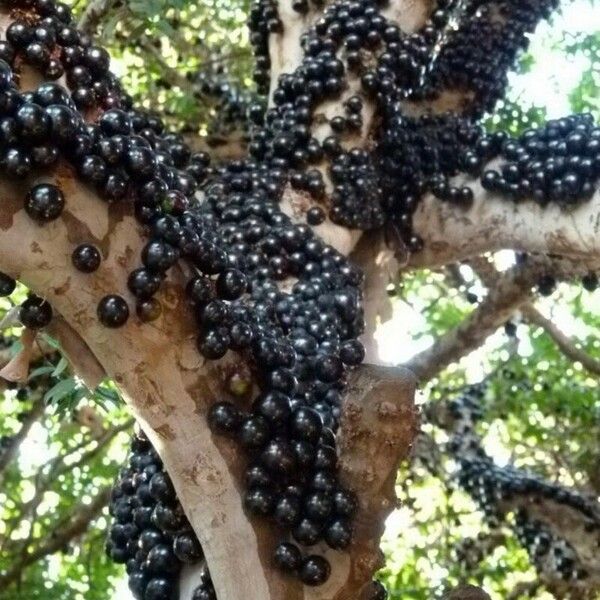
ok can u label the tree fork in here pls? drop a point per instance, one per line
(162, 378)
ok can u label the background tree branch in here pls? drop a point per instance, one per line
(77, 525)
(32, 416)
(509, 292)
(564, 343)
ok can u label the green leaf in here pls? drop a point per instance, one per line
(60, 390)
(63, 363)
(45, 370)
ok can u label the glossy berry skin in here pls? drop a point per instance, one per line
(113, 311)
(199, 290)
(167, 518)
(315, 215)
(287, 510)
(345, 503)
(259, 501)
(213, 344)
(161, 488)
(254, 432)
(33, 122)
(306, 424)
(160, 588)
(137, 584)
(287, 557)
(150, 538)
(86, 258)
(224, 417)
(44, 202)
(187, 548)
(325, 458)
(315, 570)
(257, 476)
(338, 534)
(352, 352)
(35, 313)
(161, 560)
(307, 532)
(7, 285)
(231, 284)
(278, 457)
(274, 406)
(318, 506)
(158, 256)
(143, 284)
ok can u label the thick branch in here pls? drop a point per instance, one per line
(487, 273)
(565, 344)
(77, 525)
(569, 515)
(451, 233)
(510, 291)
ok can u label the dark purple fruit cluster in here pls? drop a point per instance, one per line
(150, 533)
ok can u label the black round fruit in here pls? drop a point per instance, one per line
(159, 588)
(187, 548)
(113, 311)
(315, 570)
(224, 417)
(338, 534)
(86, 258)
(35, 313)
(44, 202)
(161, 488)
(287, 557)
(7, 285)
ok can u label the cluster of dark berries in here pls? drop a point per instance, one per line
(550, 554)
(477, 54)
(238, 245)
(125, 154)
(420, 154)
(559, 162)
(263, 21)
(489, 485)
(235, 109)
(494, 489)
(291, 477)
(150, 533)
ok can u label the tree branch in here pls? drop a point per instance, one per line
(77, 525)
(524, 589)
(93, 14)
(509, 292)
(565, 344)
(35, 413)
(452, 234)
(487, 273)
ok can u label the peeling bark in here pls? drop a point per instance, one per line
(452, 234)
